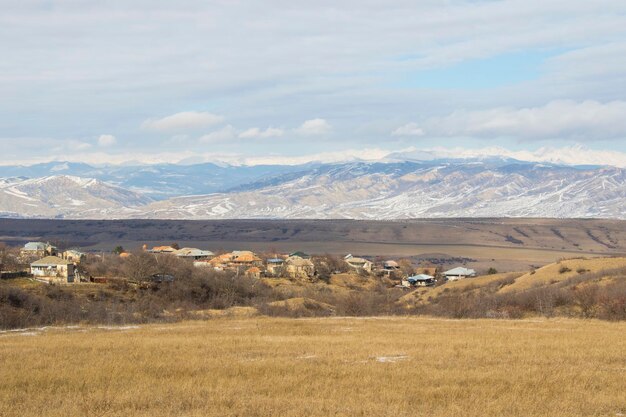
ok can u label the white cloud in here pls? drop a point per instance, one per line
(314, 127)
(255, 132)
(568, 155)
(107, 140)
(409, 129)
(188, 120)
(224, 134)
(560, 119)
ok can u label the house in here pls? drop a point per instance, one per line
(360, 264)
(421, 280)
(245, 258)
(219, 262)
(234, 261)
(53, 269)
(459, 273)
(161, 249)
(296, 267)
(253, 272)
(275, 267)
(390, 267)
(193, 253)
(73, 255)
(38, 250)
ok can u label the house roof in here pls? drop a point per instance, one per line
(221, 259)
(391, 264)
(300, 254)
(298, 261)
(253, 270)
(75, 252)
(242, 252)
(35, 246)
(192, 252)
(246, 257)
(163, 249)
(50, 261)
(354, 260)
(420, 277)
(460, 271)
(275, 261)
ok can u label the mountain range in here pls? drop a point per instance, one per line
(358, 190)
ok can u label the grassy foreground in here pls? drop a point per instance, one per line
(322, 367)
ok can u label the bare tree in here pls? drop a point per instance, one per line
(140, 266)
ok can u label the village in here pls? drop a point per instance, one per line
(44, 262)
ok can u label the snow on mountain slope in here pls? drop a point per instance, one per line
(65, 196)
(396, 191)
(352, 190)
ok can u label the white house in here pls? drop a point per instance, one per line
(53, 269)
(193, 253)
(358, 263)
(459, 273)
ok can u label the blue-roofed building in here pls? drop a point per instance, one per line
(38, 250)
(421, 280)
(275, 266)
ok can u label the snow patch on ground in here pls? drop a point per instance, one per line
(391, 359)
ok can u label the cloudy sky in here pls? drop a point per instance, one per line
(273, 80)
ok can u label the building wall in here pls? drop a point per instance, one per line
(60, 274)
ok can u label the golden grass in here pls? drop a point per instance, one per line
(318, 367)
(551, 273)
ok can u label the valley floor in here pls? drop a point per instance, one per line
(318, 367)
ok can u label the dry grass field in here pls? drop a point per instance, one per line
(563, 270)
(318, 367)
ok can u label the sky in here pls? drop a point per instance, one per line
(276, 81)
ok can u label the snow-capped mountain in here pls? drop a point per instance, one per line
(360, 190)
(410, 190)
(65, 196)
(158, 181)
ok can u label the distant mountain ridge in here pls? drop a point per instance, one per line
(66, 197)
(358, 190)
(158, 181)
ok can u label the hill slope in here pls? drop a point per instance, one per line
(65, 196)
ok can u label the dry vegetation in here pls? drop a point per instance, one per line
(318, 367)
(576, 288)
(588, 288)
